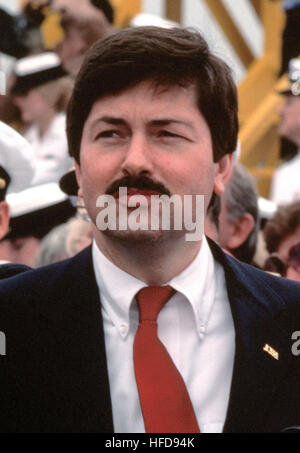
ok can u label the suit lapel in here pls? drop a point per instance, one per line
(88, 291)
(261, 361)
(262, 355)
(78, 316)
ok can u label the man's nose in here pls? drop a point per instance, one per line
(138, 158)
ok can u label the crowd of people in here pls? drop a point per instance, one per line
(153, 110)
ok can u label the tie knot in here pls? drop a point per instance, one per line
(151, 300)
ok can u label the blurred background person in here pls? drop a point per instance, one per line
(83, 23)
(267, 210)
(41, 92)
(293, 263)
(34, 212)
(285, 186)
(290, 46)
(21, 33)
(16, 173)
(64, 241)
(282, 237)
(236, 227)
(80, 235)
(53, 247)
(16, 164)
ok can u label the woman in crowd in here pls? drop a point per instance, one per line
(41, 92)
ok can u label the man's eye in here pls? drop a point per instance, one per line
(108, 134)
(165, 133)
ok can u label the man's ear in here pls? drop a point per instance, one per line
(241, 230)
(223, 173)
(4, 218)
(78, 177)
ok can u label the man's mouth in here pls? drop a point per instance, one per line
(129, 187)
(137, 191)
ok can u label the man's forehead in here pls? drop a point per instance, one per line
(150, 89)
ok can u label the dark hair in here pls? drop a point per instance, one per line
(285, 222)
(167, 57)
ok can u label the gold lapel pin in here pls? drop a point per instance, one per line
(267, 348)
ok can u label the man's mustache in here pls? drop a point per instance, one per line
(140, 182)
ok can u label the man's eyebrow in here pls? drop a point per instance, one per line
(169, 121)
(153, 123)
(109, 120)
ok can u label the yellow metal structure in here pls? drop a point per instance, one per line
(51, 30)
(231, 31)
(125, 10)
(174, 10)
(258, 100)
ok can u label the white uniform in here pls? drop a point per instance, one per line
(286, 182)
(16, 158)
(51, 158)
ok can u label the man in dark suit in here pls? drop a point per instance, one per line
(153, 114)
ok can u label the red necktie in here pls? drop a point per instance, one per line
(165, 402)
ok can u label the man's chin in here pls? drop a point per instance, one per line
(141, 236)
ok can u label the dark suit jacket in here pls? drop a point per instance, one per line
(11, 269)
(53, 377)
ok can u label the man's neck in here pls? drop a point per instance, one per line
(153, 263)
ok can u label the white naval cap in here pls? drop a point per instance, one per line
(15, 159)
(35, 70)
(34, 199)
(36, 210)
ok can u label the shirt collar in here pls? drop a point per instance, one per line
(118, 288)
(197, 284)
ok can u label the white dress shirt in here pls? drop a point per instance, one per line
(196, 327)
